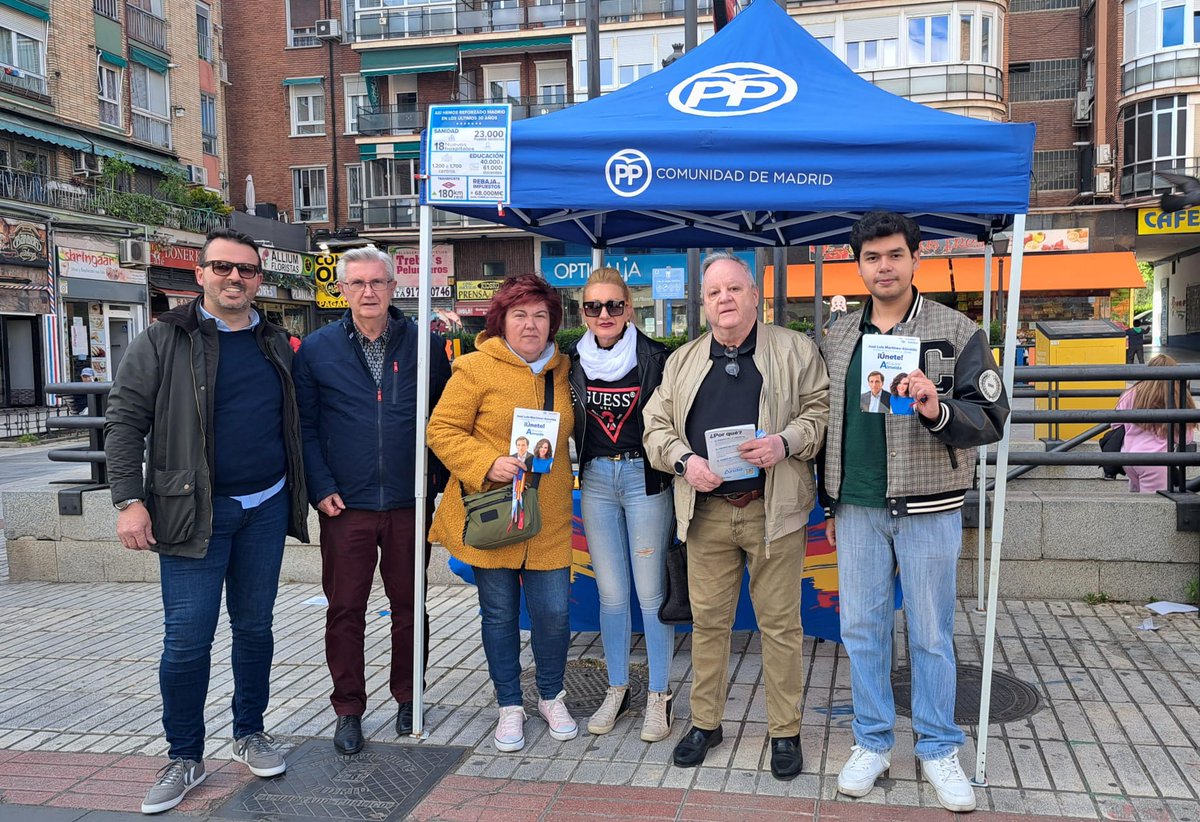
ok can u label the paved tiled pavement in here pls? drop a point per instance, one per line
(1117, 738)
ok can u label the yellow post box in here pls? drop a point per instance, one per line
(1077, 342)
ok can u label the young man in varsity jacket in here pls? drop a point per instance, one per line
(895, 484)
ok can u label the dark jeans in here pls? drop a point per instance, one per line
(351, 544)
(244, 556)
(547, 598)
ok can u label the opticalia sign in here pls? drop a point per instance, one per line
(637, 269)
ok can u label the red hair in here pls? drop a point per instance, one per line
(517, 290)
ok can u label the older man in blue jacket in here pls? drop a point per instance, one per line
(356, 386)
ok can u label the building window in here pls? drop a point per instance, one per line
(1155, 140)
(308, 109)
(108, 88)
(627, 75)
(606, 73)
(308, 195)
(354, 93)
(493, 270)
(302, 16)
(204, 43)
(928, 39)
(1055, 170)
(1021, 6)
(389, 178)
(503, 83)
(22, 61)
(1155, 25)
(208, 123)
(864, 55)
(1043, 80)
(354, 192)
(552, 82)
(985, 40)
(150, 96)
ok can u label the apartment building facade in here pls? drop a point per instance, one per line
(112, 168)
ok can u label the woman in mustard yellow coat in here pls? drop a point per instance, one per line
(470, 432)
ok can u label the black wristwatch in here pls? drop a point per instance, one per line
(681, 464)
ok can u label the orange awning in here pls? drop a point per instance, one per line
(1100, 271)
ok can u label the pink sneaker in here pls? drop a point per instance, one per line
(554, 711)
(510, 730)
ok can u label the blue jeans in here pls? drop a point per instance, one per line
(244, 555)
(625, 527)
(870, 545)
(547, 597)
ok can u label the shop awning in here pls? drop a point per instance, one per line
(303, 81)
(174, 292)
(522, 44)
(1101, 271)
(27, 8)
(381, 62)
(113, 59)
(149, 59)
(44, 132)
(389, 151)
(48, 133)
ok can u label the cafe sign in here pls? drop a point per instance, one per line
(96, 265)
(164, 255)
(23, 243)
(1157, 221)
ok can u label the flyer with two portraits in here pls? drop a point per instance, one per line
(887, 361)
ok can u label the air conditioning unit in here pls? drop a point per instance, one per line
(1104, 155)
(135, 254)
(329, 29)
(197, 175)
(1083, 108)
(1104, 183)
(225, 72)
(86, 164)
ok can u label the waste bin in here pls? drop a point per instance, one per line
(1077, 342)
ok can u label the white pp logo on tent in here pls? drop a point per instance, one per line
(733, 89)
(627, 172)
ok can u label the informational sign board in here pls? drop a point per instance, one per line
(668, 283)
(468, 154)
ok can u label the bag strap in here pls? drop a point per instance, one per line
(548, 405)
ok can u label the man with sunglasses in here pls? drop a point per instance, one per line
(209, 383)
(742, 372)
(356, 382)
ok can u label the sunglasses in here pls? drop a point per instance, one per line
(247, 271)
(591, 308)
(732, 368)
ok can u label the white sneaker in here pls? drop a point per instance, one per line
(510, 730)
(554, 711)
(657, 724)
(614, 706)
(861, 770)
(947, 777)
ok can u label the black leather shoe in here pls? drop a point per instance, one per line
(691, 750)
(786, 757)
(348, 738)
(404, 719)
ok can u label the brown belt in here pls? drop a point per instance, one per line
(738, 500)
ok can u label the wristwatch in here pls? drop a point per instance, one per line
(681, 464)
(125, 503)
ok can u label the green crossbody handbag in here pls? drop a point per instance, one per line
(488, 523)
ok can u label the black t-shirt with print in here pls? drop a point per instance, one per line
(613, 422)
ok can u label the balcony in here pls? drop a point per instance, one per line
(926, 84)
(109, 8)
(204, 46)
(83, 195)
(1138, 179)
(380, 121)
(22, 82)
(1167, 70)
(480, 17)
(146, 27)
(403, 212)
(523, 107)
(152, 130)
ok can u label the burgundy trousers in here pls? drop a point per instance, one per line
(351, 544)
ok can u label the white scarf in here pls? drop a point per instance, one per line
(608, 365)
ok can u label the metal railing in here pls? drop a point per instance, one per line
(304, 37)
(204, 46)
(377, 121)
(23, 82)
(152, 130)
(70, 500)
(403, 212)
(957, 81)
(146, 27)
(19, 421)
(109, 8)
(81, 195)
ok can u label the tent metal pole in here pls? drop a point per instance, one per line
(424, 310)
(989, 639)
(818, 292)
(980, 586)
(597, 258)
(779, 282)
(693, 293)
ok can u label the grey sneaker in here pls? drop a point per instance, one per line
(257, 752)
(173, 782)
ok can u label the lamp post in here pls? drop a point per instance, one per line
(1000, 244)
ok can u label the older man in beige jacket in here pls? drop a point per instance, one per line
(742, 373)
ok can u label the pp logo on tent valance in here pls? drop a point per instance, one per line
(732, 90)
(628, 172)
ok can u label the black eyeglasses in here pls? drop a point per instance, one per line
(615, 308)
(732, 368)
(247, 271)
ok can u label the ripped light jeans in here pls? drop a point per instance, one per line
(627, 529)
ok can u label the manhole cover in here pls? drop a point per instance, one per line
(586, 683)
(383, 783)
(1012, 699)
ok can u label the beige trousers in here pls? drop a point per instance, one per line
(722, 540)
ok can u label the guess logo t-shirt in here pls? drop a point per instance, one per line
(613, 422)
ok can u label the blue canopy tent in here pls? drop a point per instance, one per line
(760, 137)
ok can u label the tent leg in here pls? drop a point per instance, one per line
(981, 585)
(597, 258)
(989, 640)
(424, 309)
(694, 298)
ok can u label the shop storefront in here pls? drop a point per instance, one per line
(280, 298)
(103, 304)
(25, 302)
(172, 276)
